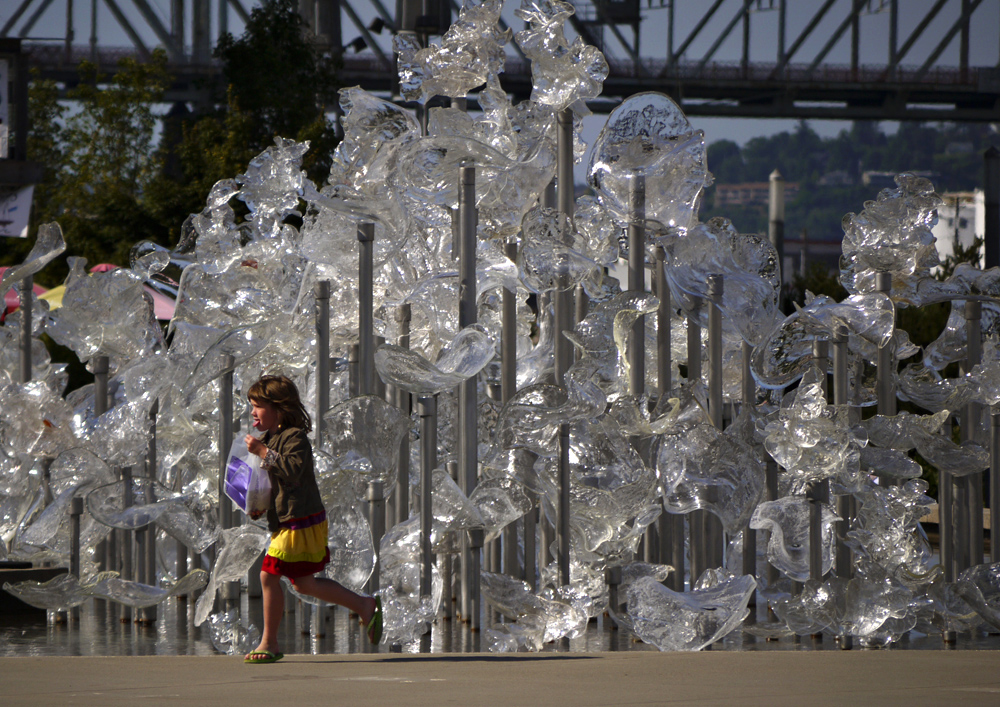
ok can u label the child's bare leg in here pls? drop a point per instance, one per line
(274, 608)
(335, 593)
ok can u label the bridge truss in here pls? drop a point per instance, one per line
(839, 59)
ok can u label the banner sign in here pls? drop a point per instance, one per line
(15, 208)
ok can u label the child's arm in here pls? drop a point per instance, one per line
(288, 460)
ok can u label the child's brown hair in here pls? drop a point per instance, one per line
(281, 392)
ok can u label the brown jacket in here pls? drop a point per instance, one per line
(294, 492)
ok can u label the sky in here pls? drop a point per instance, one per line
(985, 39)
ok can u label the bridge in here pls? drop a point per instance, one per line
(827, 59)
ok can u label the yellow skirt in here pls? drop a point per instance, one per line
(299, 548)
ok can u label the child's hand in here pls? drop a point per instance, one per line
(255, 446)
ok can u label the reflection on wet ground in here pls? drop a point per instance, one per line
(100, 632)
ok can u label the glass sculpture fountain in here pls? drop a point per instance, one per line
(638, 456)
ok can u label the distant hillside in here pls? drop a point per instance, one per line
(830, 171)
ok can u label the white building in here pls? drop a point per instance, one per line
(961, 218)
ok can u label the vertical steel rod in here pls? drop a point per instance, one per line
(995, 486)
(148, 615)
(101, 367)
(637, 336)
(991, 199)
(844, 561)
(75, 511)
(776, 220)
(970, 429)
(126, 548)
(715, 535)
(321, 293)
(886, 374)
(637, 282)
(564, 322)
(230, 592)
(376, 519)
(818, 492)
(671, 524)
(468, 457)
(696, 519)
(508, 386)
(366, 334)
(715, 290)
(427, 410)
(405, 403)
(749, 390)
(564, 508)
(24, 342)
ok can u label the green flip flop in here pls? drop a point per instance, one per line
(374, 628)
(263, 657)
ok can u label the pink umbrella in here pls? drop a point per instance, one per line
(163, 305)
(11, 300)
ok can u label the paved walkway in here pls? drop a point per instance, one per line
(842, 678)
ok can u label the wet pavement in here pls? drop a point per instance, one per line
(99, 631)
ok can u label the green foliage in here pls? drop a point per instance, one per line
(98, 161)
(803, 157)
(109, 184)
(278, 85)
(818, 280)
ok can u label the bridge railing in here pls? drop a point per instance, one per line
(52, 57)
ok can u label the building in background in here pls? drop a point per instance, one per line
(961, 219)
(750, 193)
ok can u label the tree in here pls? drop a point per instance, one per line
(98, 161)
(278, 83)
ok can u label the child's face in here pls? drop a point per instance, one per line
(264, 416)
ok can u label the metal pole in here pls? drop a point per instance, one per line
(715, 288)
(637, 336)
(696, 519)
(582, 303)
(405, 404)
(991, 197)
(24, 349)
(530, 574)
(125, 540)
(468, 453)
(427, 410)
(818, 493)
(446, 563)
(995, 487)
(100, 365)
(663, 318)
(715, 535)
(844, 561)
(885, 376)
(970, 427)
(562, 297)
(508, 386)
(671, 524)
(321, 292)
(376, 519)
(366, 335)
(749, 534)
(776, 220)
(148, 615)
(353, 371)
(564, 510)
(475, 540)
(75, 511)
(230, 592)
(637, 282)
(563, 321)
